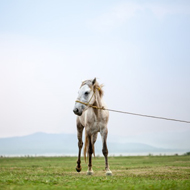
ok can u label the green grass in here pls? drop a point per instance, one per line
(148, 172)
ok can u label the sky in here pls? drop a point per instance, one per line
(139, 50)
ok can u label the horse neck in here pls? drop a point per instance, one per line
(98, 103)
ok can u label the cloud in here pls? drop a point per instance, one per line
(123, 12)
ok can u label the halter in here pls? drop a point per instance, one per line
(88, 103)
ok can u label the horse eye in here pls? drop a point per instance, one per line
(86, 93)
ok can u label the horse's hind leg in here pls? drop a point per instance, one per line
(90, 151)
(94, 140)
(80, 144)
(105, 150)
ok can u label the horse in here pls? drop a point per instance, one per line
(92, 115)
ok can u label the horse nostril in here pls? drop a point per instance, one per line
(75, 110)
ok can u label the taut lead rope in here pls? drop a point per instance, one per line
(137, 114)
(142, 115)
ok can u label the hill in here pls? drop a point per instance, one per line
(66, 144)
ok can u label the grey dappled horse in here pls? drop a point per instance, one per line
(91, 115)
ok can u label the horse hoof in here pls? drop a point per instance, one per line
(108, 173)
(89, 172)
(78, 169)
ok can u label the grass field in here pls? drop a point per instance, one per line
(148, 172)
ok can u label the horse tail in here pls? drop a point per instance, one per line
(86, 145)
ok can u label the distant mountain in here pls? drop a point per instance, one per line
(67, 144)
(170, 139)
(39, 143)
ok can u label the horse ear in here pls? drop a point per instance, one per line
(93, 81)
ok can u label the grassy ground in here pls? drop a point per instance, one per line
(148, 172)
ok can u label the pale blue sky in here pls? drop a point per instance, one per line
(140, 50)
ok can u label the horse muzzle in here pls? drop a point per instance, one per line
(77, 112)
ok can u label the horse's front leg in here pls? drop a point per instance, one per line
(104, 134)
(80, 144)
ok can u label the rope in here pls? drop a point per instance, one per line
(137, 114)
(142, 115)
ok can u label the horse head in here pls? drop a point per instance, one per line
(89, 93)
